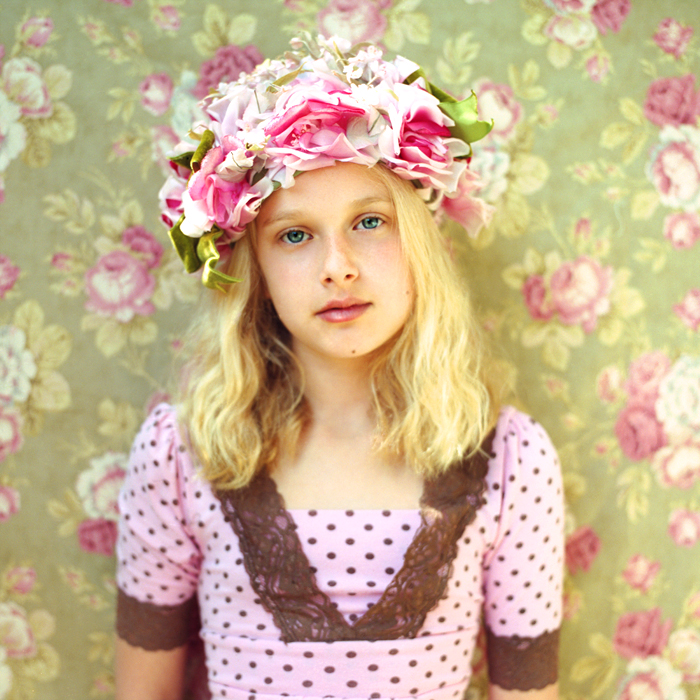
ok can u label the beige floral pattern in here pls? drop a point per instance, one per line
(587, 278)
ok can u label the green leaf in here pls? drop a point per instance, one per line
(185, 247)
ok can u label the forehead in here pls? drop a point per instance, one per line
(342, 184)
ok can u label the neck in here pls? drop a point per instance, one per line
(339, 394)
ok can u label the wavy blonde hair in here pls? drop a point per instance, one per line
(242, 390)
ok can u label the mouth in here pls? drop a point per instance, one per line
(343, 310)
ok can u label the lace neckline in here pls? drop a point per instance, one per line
(281, 575)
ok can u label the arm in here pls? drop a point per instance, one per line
(149, 675)
(551, 692)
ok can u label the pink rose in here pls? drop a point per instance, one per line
(652, 678)
(610, 14)
(537, 299)
(9, 502)
(689, 309)
(640, 572)
(580, 292)
(355, 20)
(9, 274)
(15, 633)
(144, 244)
(498, 102)
(156, 91)
(678, 465)
(119, 285)
(673, 37)
(98, 536)
(682, 229)
(582, 547)
(11, 439)
(672, 101)
(645, 375)
(225, 67)
(20, 579)
(36, 31)
(641, 634)
(472, 213)
(674, 167)
(684, 527)
(598, 68)
(23, 82)
(167, 18)
(64, 262)
(639, 432)
(575, 31)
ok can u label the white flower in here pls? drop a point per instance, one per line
(678, 405)
(491, 164)
(651, 678)
(13, 135)
(98, 487)
(17, 366)
(684, 652)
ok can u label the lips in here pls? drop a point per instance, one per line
(342, 310)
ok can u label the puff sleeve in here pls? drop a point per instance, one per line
(523, 569)
(158, 557)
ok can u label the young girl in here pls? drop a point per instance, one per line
(338, 499)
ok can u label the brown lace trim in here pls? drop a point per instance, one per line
(523, 663)
(156, 627)
(281, 574)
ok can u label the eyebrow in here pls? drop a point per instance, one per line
(286, 214)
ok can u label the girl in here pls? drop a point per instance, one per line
(338, 496)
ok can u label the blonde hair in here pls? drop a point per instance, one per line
(242, 398)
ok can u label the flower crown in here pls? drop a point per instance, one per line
(324, 101)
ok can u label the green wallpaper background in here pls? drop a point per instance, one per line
(588, 278)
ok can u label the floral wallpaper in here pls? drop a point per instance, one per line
(588, 279)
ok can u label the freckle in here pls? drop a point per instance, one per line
(354, 351)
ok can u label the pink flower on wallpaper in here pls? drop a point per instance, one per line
(20, 579)
(641, 572)
(684, 527)
(609, 384)
(17, 636)
(678, 465)
(641, 634)
(672, 101)
(645, 375)
(119, 285)
(11, 438)
(674, 167)
(639, 432)
(24, 84)
(98, 536)
(582, 547)
(144, 244)
(684, 653)
(567, 7)
(598, 68)
(682, 229)
(688, 311)
(580, 290)
(610, 14)
(167, 18)
(499, 103)
(9, 274)
(673, 37)
(36, 31)
(156, 91)
(537, 300)
(652, 678)
(226, 65)
(355, 20)
(9, 502)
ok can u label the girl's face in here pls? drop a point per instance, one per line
(330, 254)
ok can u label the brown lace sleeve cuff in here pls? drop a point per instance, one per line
(523, 663)
(156, 627)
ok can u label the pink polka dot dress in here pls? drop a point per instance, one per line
(347, 604)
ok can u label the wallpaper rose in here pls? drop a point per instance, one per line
(588, 279)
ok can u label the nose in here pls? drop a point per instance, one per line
(339, 265)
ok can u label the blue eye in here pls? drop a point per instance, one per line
(294, 236)
(370, 222)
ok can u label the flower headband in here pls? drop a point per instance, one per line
(323, 102)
